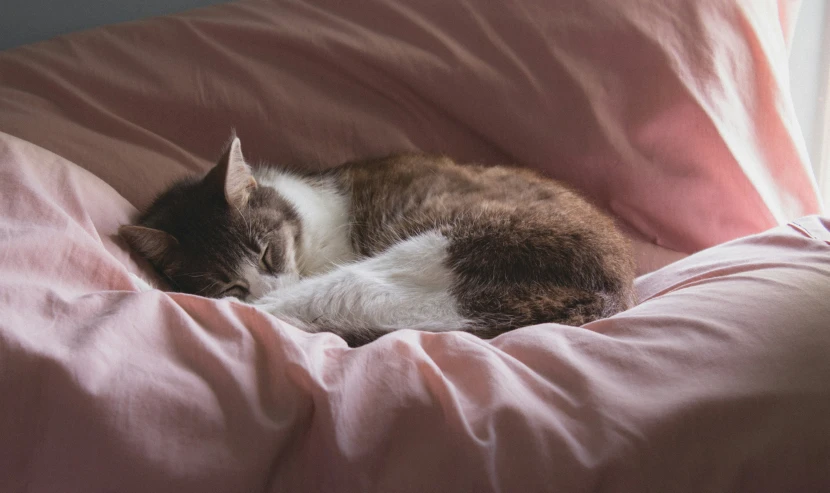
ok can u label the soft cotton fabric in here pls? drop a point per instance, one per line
(718, 381)
(671, 114)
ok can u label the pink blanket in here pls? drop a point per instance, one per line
(718, 381)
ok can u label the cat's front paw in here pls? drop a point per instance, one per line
(269, 302)
(284, 310)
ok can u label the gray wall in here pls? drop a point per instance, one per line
(27, 21)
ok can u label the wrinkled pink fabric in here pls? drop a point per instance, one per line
(719, 381)
(672, 114)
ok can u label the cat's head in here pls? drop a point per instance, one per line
(220, 235)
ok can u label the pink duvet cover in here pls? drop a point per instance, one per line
(718, 381)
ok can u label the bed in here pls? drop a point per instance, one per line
(674, 116)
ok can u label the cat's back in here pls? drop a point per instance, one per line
(412, 192)
(425, 181)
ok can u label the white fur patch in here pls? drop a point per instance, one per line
(324, 211)
(405, 287)
(143, 286)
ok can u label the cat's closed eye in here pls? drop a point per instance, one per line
(265, 261)
(237, 291)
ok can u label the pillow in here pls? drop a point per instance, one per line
(673, 115)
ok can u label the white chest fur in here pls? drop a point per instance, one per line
(324, 212)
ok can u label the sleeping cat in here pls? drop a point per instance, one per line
(408, 241)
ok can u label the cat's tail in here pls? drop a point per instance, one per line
(555, 304)
(582, 307)
(578, 307)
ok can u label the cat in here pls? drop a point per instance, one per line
(407, 241)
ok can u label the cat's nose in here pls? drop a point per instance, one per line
(259, 284)
(286, 279)
(259, 287)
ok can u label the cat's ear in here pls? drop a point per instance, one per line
(152, 244)
(233, 175)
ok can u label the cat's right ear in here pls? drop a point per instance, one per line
(233, 176)
(152, 244)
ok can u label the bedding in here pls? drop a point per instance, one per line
(718, 381)
(673, 115)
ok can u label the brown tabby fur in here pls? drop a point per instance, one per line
(526, 249)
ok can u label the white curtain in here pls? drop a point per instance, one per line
(810, 86)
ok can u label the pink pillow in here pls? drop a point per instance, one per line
(674, 115)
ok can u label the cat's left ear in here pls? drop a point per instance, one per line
(233, 175)
(153, 244)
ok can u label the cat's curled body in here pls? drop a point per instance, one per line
(408, 241)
